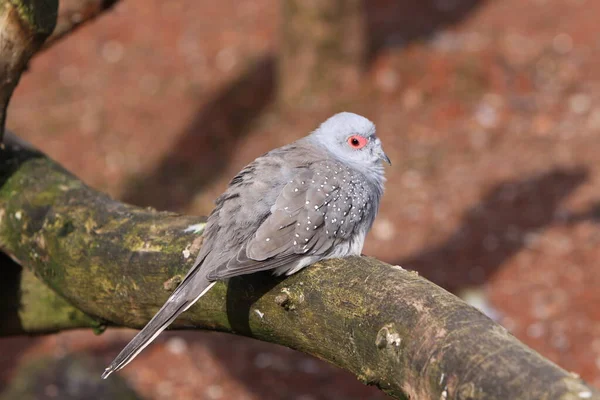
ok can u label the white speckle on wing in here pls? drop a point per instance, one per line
(18, 215)
(259, 313)
(186, 254)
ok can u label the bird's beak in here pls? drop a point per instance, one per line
(381, 153)
(385, 158)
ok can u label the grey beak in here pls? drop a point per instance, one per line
(385, 158)
(382, 155)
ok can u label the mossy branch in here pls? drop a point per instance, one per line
(111, 263)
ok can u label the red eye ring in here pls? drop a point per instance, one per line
(357, 142)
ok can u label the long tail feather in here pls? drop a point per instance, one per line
(179, 301)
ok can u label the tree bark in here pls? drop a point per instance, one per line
(110, 263)
(323, 49)
(24, 25)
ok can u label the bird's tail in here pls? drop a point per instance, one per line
(182, 299)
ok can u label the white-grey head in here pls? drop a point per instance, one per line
(352, 139)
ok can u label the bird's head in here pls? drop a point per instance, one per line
(351, 139)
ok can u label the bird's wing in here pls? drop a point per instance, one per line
(310, 216)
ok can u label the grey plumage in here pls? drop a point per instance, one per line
(313, 199)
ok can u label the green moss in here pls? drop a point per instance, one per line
(172, 283)
(42, 310)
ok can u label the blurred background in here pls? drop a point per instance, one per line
(489, 110)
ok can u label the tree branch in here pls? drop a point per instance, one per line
(24, 25)
(27, 306)
(116, 263)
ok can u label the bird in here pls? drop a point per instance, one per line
(307, 201)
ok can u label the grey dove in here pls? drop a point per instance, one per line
(307, 201)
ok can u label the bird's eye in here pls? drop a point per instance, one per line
(357, 141)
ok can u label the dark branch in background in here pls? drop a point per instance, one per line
(323, 49)
(24, 25)
(74, 13)
(110, 263)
